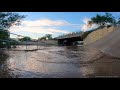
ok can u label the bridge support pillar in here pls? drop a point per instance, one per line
(60, 42)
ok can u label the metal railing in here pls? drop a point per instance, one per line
(9, 40)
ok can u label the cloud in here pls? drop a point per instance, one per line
(45, 22)
(44, 26)
(85, 20)
(86, 26)
(41, 30)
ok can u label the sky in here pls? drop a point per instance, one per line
(37, 24)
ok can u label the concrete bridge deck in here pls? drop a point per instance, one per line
(71, 35)
(70, 39)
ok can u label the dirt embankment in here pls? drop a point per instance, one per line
(109, 44)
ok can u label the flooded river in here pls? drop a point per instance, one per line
(57, 62)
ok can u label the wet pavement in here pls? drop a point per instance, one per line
(58, 62)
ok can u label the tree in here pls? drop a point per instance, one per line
(3, 36)
(118, 22)
(8, 19)
(49, 36)
(103, 20)
(25, 39)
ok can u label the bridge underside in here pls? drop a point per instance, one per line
(69, 41)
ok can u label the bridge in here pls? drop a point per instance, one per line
(70, 39)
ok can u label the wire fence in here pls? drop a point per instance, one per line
(11, 42)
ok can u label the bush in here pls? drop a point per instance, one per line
(109, 26)
(85, 34)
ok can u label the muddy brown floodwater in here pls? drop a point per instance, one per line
(58, 62)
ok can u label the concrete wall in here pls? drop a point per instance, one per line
(47, 42)
(109, 44)
(50, 42)
(98, 34)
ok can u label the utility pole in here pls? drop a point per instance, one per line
(26, 45)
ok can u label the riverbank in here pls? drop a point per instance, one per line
(109, 44)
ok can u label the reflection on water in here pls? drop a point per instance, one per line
(4, 71)
(55, 62)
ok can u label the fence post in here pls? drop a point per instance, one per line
(26, 45)
(37, 45)
(9, 41)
